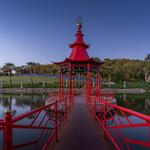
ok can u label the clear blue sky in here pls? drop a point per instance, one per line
(40, 30)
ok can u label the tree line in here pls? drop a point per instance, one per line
(30, 67)
(111, 70)
(124, 70)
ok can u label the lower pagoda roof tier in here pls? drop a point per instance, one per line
(90, 61)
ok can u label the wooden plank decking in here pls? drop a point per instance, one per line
(80, 131)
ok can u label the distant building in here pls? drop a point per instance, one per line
(13, 72)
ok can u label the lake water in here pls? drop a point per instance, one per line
(136, 102)
(22, 103)
(139, 103)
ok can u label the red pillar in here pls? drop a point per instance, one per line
(65, 109)
(8, 141)
(56, 123)
(86, 86)
(88, 82)
(72, 87)
(59, 81)
(70, 83)
(98, 82)
(86, 89)
(62, 84)
(105, 113)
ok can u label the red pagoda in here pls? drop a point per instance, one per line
(79, 61)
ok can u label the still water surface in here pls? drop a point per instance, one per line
(139, 103)
(136, 102)
(20, 103)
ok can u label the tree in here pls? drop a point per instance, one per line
(123, 69)
(31, 69)
(8, 68)
(147, 71)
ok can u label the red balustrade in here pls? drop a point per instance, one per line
(44, 120)
(119, 124)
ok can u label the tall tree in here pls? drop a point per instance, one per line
(8, 68)
(31, 66)
(147, 71)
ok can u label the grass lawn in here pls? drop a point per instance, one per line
(129, 84)
(53, 82)
(37, 81)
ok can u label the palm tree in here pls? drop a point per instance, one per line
(8, 68)
(31, 67)
(147, 72)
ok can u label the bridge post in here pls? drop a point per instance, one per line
(98, 82)
(70, 84)
(73, 87)
(105, 113)
(94, 109)
(59, 80)
(62, 83)
(65, 108)
(56, 123)
(88, 83)
(86, 91)
(8, 141)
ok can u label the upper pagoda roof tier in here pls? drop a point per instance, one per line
(79, 51)
(79, 40)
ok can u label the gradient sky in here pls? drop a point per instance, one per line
(40, 30)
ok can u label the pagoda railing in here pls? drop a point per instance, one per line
(125, 128)
(37, 128)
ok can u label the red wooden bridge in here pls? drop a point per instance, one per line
(90, 119)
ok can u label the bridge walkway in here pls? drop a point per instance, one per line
(80, 131)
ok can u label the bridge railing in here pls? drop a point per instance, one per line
(34, 129)
(125, 128)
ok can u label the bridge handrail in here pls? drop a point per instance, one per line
(22, 116)
(135, 113)
(41, 119)
(104, 110)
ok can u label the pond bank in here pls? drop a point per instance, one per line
(26, 90)
(132, 91)
(47, 90)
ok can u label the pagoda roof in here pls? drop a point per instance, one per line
(79, 52)
(79, 48)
